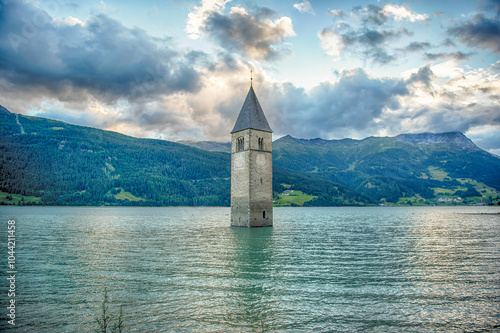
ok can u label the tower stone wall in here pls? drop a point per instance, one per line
(251, 167)
(251, 180)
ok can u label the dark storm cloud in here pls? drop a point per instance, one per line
(479, 32)
(251, 35)
(352, 103)
(101, 57)
(355, 100)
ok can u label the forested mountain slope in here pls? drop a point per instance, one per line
(66, 164)
(423, 166)
(49, 162)
(44, 161)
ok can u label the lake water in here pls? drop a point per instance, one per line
(377, 269)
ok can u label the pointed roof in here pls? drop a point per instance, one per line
(251, 115)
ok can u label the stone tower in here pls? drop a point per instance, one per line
(251, 167)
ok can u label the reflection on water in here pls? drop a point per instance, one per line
(318, 269)
(453, 267)
(249, 261)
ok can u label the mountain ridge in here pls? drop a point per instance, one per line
(56, 163)
(452, 139)
(389, 168)
(457, 139)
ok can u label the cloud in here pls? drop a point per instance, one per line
(331, 42)
(376, 15)
(336, 13)
(421, 47)
(371, 14)
(454, 55)
(371, 37)
(197, 18)
(100, 73)
(250, 35)
(100, 57)
(418, 46)
(374, 44)
(349, 106)
(445, 97)
(479, 32)
(486, 137)
(96, 72)
(424, 76)
(304, 7)
(490, 6)
(372, 31)
(433, 98)
(402, 13)
(495, 68)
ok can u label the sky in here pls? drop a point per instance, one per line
(180, 70)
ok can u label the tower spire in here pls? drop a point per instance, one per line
(251, 115)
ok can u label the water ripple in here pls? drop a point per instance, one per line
(318, 269)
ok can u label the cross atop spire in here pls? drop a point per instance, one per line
(251, 77)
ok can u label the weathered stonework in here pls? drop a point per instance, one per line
(251, 169)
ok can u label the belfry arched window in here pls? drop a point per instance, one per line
(240, 144)
(261, 143)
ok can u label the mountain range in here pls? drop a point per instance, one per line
(411, 167)
(43, 161)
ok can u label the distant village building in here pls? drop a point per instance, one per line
(445, 200)
(251, 167)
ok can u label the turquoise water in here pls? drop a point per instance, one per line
(408, 269)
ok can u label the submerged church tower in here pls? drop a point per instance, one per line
(251, 167)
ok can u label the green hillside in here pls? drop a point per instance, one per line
(62, 164)
(49, 162)
(315, 192)
(406, 169)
